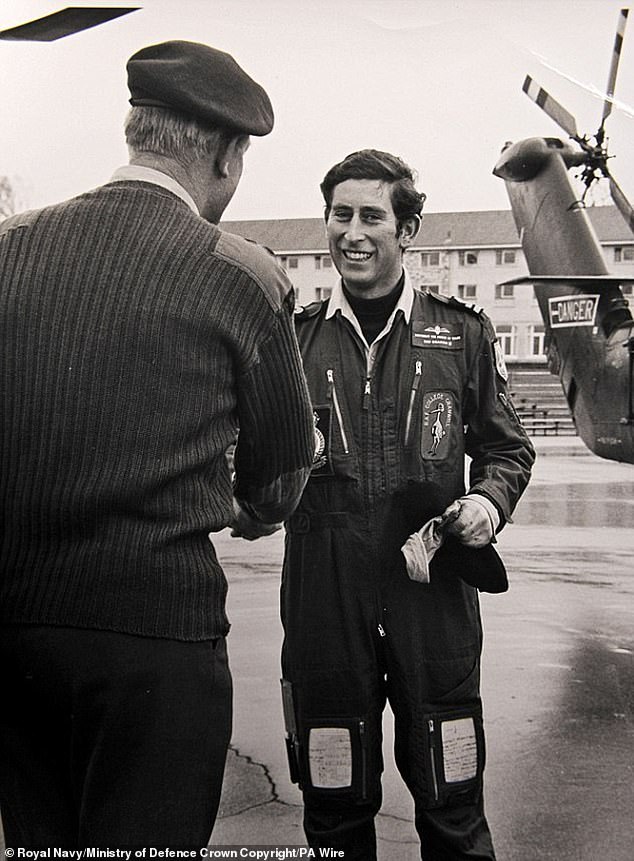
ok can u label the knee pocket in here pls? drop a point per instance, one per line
(333, 758)
(328, 757)
(449, 749)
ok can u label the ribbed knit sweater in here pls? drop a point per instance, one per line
(134, 339)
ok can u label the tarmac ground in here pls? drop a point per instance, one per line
(558, 681)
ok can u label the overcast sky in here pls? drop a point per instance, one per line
(437, 82)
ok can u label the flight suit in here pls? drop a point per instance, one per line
(392, 426)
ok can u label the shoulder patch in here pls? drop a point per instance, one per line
(500, 364)
(437, 297)
(466, 306)
(470, 308)
(20, 219)
(259, 263)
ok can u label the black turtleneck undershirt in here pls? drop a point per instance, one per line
(373, 314)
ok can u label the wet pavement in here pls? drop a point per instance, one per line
(558, 680)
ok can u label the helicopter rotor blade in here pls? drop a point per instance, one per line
(614, 67)
(555, 111)
(64, 23)
(621, 201)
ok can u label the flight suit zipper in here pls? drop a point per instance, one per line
(332, 395)
(432, 754)
(367, 392)
(364, 759)
(412, 398)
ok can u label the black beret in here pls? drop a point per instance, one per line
(201, 82)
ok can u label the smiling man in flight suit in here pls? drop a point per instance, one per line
(404, 384)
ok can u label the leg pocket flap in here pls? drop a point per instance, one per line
(455, 754)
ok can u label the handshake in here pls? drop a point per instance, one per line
(247, 527)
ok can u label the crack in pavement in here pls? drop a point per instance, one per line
(240, 780)
(246, 762)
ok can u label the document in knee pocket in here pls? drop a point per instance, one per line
(336, 756)
(459, 749)
(454, 743)
(325, 754)
(330, 757)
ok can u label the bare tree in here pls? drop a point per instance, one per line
(7, 197)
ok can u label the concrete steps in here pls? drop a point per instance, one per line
(540, 402)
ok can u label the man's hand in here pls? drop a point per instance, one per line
(472, 526)
(245, 526)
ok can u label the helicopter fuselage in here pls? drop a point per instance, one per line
(589, 328)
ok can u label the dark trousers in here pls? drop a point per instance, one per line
(453, 828)
(356, 637)
(111, 740)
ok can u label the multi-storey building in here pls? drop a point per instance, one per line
(465, 254)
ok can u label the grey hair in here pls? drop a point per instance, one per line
(165, 132)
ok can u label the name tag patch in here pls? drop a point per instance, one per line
(444, 336)
(438, 416)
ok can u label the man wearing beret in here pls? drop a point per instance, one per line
(138, 342)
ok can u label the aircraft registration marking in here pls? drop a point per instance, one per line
(576, 310)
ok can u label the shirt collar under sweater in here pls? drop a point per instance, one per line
(138, 173)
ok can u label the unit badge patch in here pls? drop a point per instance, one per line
(500, 364)
(446, 336)
(438, 416)
(322, 422)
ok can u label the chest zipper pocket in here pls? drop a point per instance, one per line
(412, 399)
(332, 395)
(433, 758)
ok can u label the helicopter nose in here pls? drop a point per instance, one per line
(521, 161)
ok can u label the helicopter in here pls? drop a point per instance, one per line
(65, 22)
(589, 327)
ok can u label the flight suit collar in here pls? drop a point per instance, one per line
(339, 303)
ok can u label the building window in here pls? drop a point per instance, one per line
(536, 340)
(293, 262)
(504, 291)
(467, 258)
(322, 293)
(430, 258)
(467, 291)
(624, 254)
(322, 262)
(431, 288)
(507, 336)
(504, 257)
